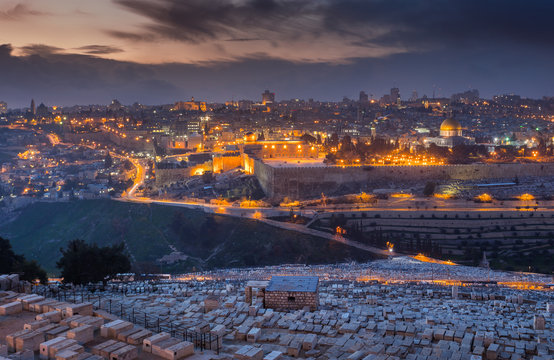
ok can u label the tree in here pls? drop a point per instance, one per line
(429, 188)
(31, 271)
(207, 177)
(334, 139)
(8, 259)
(82, 263)
(11, 262)
(108, 161)
(308, 139)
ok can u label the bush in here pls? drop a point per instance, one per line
(11, 262)
(429, 188)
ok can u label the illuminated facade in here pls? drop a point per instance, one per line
(190, 105)
(268, 97)
(450, 135)
(281, 149)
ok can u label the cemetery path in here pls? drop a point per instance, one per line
(220, 246)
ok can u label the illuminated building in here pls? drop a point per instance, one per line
(250, 137)
(3, 107)
(450, 128)
(450, 135)
(268, 97)
(191, 105)
(281, 149)
(194, 126)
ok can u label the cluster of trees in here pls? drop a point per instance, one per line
(80, 263)
(348, 152)
(83, 263)
(10, 262)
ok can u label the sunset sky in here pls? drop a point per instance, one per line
(158, 51)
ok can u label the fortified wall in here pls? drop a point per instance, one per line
(168, 176)
(102, 137)
(223, 163)
(300, 182)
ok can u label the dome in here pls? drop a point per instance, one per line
(451, 124)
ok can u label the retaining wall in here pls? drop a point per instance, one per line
(302, 182)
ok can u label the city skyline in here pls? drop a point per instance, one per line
(77, 52)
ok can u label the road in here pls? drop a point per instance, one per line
(262, 214)
(251, 213)
(140, 175)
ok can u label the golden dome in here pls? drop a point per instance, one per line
(450, 124)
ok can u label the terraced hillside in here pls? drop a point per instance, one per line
(513, 240)
(152, 232)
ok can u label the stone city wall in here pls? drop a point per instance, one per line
(103, 137)
(301, 182)
(170, 176)
(226, 163)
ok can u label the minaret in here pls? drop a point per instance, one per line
(33, 107)
(484, 261)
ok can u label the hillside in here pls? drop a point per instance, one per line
(152, 231)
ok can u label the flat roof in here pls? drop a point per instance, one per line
(295, 162)
(293, 283)
(257, 283)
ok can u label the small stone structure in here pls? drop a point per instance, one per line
(292, 292)
(255, 291)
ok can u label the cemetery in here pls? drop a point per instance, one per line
(386, 309)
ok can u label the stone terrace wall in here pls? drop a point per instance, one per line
(280, 300)
(299, 182)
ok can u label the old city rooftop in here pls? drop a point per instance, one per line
(293, 283)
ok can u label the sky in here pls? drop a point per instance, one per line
(65, 52)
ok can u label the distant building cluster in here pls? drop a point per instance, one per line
(193, 138)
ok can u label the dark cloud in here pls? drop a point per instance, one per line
(244, 39)
(198, 20)
(99, 49)
(131, 36)
(414, 25)
(58, 78)
(18, 12)
(448, 23)
(40, 49)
